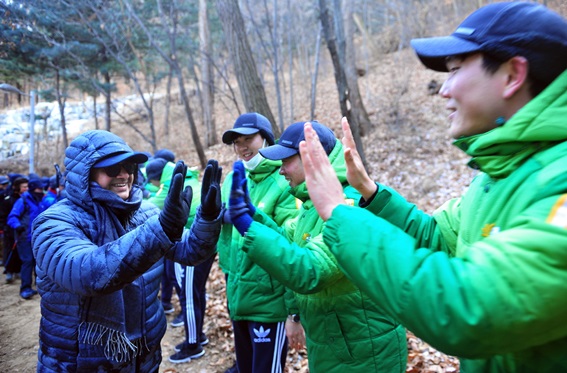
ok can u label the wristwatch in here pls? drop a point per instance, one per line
(295, 317)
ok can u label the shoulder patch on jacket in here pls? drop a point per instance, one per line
(558, 214)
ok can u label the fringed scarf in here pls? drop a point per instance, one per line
(113, 320)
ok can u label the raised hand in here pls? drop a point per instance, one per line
(239, 206)
(210, 191)
(356, 173)
(177, 204)
(324, 187)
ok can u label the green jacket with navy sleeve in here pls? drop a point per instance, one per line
(345, 330)
(252, 293)
(485, 277)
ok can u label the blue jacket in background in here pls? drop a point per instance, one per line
(23, 213)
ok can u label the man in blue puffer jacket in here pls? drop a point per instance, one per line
(100, 258)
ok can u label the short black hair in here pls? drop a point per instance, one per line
(491, 64)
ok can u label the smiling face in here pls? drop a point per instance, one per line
(474, 96)
(247, 146)
(292, 170)
(121, 184)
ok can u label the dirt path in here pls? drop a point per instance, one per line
(19, 328)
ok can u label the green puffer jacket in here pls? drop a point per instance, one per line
(251, 292)
(344, 329)
(485, 278)
(191, 179)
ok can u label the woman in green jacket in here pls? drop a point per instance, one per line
(256, 300)
(485, 277)
(344, 328)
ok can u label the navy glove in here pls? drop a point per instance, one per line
(226, 217)
(177, 204)
(210, 191)
(244, 182)
(239, 209)
(21, 229)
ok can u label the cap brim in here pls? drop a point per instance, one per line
(229, 136)
(433, 51)
(134, 157)
(278, 152)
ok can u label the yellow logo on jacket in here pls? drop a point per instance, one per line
(490, 229)
(558, 214)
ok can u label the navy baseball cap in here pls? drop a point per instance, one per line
(166, 154)
(4, 180)
(114, 158)
(288, 144)
(504, 30)
(248, 124)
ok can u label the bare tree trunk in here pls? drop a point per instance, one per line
(334, 35)
(95, 112)
(275, 67)
(332, 45)
(172, 60)
(290, 46)
(315, 73)
(108, 100)
(61, 103)
(168, 100)
(251, 88)
(358, 111)
(207, 77)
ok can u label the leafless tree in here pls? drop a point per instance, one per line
(207, 77)
(170, 56)
(251, 89)
(334, 35)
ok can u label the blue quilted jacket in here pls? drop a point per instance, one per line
(99, 294)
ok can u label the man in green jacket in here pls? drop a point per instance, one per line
(485, 277)
(344, 329)
(256, 301)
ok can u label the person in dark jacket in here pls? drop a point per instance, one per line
(11, 259)
(100, 255)
(20, 219)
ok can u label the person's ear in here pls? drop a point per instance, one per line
(517, 69)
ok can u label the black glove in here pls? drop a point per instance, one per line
(21, 229)
(210, 191)
(177, 204)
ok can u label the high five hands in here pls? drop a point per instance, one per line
(240, 207)
(325, 190)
